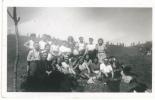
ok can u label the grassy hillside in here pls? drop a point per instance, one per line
(142, 65)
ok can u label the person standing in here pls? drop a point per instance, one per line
(29, 44)
(81, 46)
(100, 47)
(90, 49)
(33, 59)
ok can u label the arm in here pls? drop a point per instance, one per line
(26, 44)
(29, 56)
(88, 69)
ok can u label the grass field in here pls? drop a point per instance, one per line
(142, 65)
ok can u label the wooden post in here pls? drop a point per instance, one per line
(16, 20)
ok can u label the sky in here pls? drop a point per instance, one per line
(112, 24)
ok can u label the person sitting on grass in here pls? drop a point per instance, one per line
(106, 68)
(95, 66)
(114, 84)
(84, 69)
(29, 43)
(129, 79)
(104, 74)
(66, 68)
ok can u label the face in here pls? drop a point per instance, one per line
(90, 40)
(36, 46)
(81, 39)
(100, 41)
(87, 57)
(44, 38)
(44, 56)
(54, 61)
(81, 61)
(95, 60)
(106, 61)
(33, 38)
(47, 47)
(67, 61)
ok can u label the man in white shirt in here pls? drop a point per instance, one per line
(106, 68)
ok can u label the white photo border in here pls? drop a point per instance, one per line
(70, 3)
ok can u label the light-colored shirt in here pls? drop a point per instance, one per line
(126, 78)
(33, 55)
(81, 46)
(84, 66)
(42, 44)
(91, 47)
(105, 68)
(29, 44)
(64, 49)
(67, 69)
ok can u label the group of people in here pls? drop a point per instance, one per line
(76, 60)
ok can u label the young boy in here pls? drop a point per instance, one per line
(84, 69)
(29, 44)
(33, 59)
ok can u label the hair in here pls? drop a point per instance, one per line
(100, 39)
(32, 35)
(80, 37)
(47, 45)
(91, 38)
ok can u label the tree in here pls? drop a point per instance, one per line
(16, 21)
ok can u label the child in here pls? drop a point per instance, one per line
(33, 59)
(29, 44)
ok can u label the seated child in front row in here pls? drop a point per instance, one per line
(66, 68)
(84, 69)
(105, 73)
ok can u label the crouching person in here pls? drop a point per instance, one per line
(106, 71)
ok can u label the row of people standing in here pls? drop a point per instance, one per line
(69, 47)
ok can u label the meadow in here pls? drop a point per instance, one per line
(141, 64)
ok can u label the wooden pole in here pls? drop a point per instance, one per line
(16, 20)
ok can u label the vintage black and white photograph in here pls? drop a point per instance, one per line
(79, 49)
